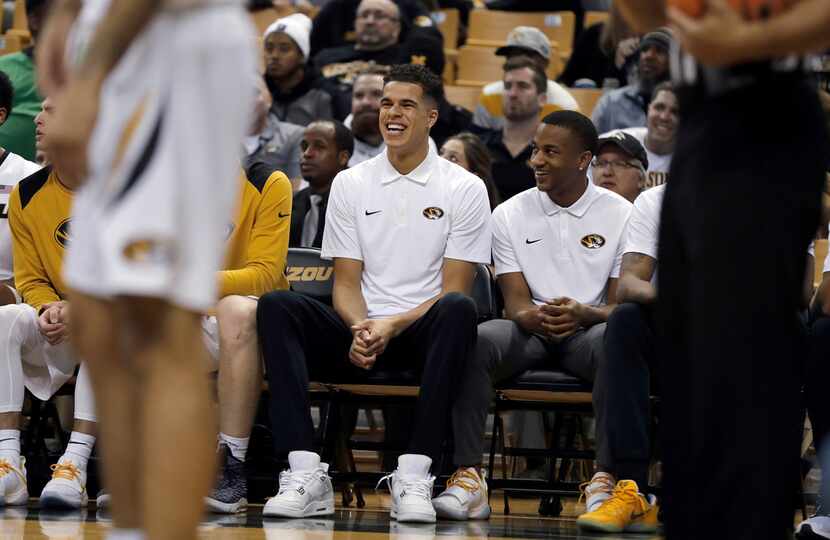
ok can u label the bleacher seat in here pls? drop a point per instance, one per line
(587, 99)
(595, 17)
(464, 96)
(489, 28)
(821, 254)
(478, 66)
(448, 22)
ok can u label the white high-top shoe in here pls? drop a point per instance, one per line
(67, 488)
(13, 490)
(305, 490)
(465, 497)
(411, 488)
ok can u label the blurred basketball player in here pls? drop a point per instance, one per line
(738, 215)
(152, 117)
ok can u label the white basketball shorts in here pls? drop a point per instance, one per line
(151, 220)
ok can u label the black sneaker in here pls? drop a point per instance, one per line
(231, 491)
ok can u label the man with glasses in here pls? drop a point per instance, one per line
(377, 41)
(620, 165)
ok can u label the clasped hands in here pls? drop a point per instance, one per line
(370, 339)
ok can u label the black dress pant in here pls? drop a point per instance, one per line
(303, 339)
(739, 212)
(624, 415)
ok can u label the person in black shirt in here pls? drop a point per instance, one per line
(327, 146)
(525, 91)
(739, 212)
(334, 25)
(290, 79)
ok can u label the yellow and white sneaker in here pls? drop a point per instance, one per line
(627, 510)
(67, 488)
(465, 497)
(13, 490)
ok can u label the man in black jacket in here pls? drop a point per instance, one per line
(326, 148)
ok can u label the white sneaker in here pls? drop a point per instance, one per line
(305, 490)
(817, 527)
(66, 489)
(465, 497)
(13, 490)
(411, 488)
(597, 491)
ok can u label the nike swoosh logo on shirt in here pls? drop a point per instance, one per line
(529, 241)
(368, 213)
(281, 215)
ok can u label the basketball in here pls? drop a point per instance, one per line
(750, 9)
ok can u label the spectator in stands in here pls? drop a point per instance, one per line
(620, 165)
(405, 230)
(467, 150)
(604, 54)
(13, 168)
(658, 137)
(377, 31)
(557, 253)
(534, 44)
(626, 107)
(272, 145)
(327, 146)
(36, 353)
(817, 374)
(18, 133)
(334, 25)
(511, 146)
(290, 77)
(364, 118)
(256, 252)
(623, 411)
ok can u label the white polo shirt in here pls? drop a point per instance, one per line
(644, 224)
(562, 251)
(403, 226)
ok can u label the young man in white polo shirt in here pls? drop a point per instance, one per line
(405, 230)
(557, 252)
(623, 416)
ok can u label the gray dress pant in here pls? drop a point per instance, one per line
(503, 351)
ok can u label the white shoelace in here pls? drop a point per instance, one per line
(421, 487)
(292, 480)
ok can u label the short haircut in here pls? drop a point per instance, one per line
(6, 93)
(540, 80)
(375, 69)
(578, 124)
(343, 138)
(420, 75)
(665, 86)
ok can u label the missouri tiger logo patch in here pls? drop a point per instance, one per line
(433, 212)
(62, 233)
(592, 241)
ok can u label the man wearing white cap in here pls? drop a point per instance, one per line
(292, 82)
(533, 43)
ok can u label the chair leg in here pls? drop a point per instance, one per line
(498, 427)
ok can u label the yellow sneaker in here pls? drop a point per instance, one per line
(626, 511)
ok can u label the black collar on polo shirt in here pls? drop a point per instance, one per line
(419, 175)
(577, 209)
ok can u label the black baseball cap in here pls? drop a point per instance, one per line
(627, 143)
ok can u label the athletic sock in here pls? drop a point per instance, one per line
(10, 445)
(126, 534)
(79, 449)
(237, 445)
